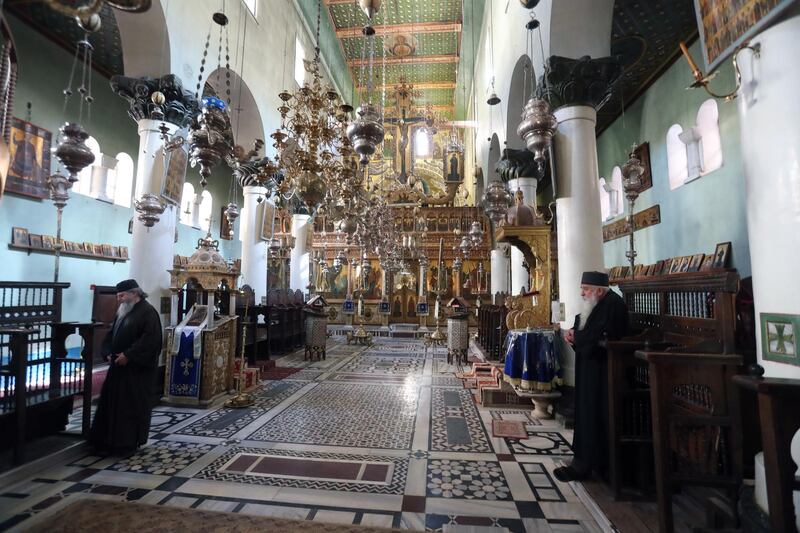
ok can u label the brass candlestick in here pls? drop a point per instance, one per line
(242, 399)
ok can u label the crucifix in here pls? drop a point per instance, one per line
(403, 94)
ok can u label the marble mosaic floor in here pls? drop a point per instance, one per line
(382, 435)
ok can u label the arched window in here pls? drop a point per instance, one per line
(422, 143)
(187, 203)
(84, 183)
(299, 67)
(205, 210)
(615, 196)
(120, 180)
(605, 199)
(676, 157)
(710, 141)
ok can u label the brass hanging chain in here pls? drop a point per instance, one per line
(319, 18)
(197, 92)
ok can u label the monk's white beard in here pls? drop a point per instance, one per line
(123, 309)
(587, 306)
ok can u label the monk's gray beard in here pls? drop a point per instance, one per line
(587, 306)
(123, 309)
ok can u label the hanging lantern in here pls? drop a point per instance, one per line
(632, 172)
(537, 128)
(370, 9)
(366, 132)
(150, 209)
(72, 151)
(496, 201)
(476, 233)
(231, 213)
(493, 99)
(209, 139)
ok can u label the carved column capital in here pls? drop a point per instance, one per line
(515, 164)
(179, 106)
(582, 81)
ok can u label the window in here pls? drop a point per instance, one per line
(422, 143)
(120, 180)
(205, 210)
(299, 67)
(710, 141)
(84, 183)
(605, 199)
(187, 203)
(677, 164)
(615, 196)
(251, 6)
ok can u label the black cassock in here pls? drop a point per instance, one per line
(609, 319)
(123, 413)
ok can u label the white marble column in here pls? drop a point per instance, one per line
(299, 260)
(580, 234)
(519, 276)
(499, 273)
(254, 250)
(527, 186)
(152, 249)
(769, 112)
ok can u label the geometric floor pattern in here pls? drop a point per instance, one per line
(382, 435)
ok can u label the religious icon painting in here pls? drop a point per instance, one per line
(779, 337)
(696, 262)
(708, 262)
(384, 308)
(97, 249)
(36, 240)
(675, 265)
(722, 255)
(47, 242)
(88, 247)
(348, 307)
(453, 162)
(643, 153)
(685, 263)
(19, 237)
(422, 309)
(108, 250)
(123, 252)
(172, 188)
(29, 165)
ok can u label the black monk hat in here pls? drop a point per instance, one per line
(127, 285)
(598, 279)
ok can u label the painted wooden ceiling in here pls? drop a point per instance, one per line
(434, 26)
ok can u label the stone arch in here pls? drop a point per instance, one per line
(246, 122)
(521, 88)
(145, 41)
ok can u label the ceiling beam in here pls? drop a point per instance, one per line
(418, 86)
(391, 29)
(410, 60)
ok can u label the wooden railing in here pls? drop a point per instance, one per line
(35, 368)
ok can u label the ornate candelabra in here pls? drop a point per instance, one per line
(632, 172)
(242, 399)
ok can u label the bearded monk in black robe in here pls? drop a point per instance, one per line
(132, 347)
(604, 316)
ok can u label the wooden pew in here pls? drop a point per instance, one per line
(691, 312)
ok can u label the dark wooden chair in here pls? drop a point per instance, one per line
(778, 401)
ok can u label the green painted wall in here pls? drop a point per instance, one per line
(43, 73)
(700, 214)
